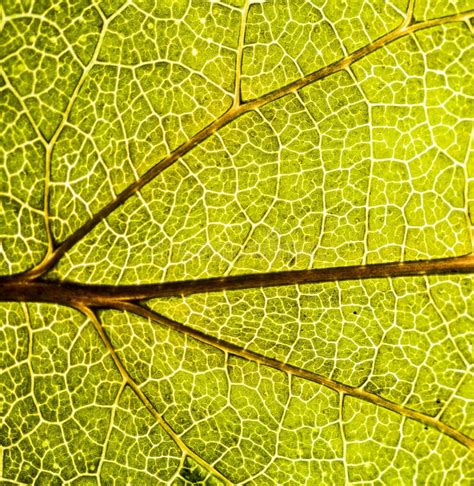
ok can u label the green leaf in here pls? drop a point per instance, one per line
(236, 242)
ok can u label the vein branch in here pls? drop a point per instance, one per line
(49, 145)
(239, 58)
(233, 113)
(289, 369)
(135, 387)
(409, 17)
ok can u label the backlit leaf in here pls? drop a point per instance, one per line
(236, 242)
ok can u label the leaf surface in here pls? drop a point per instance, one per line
(164, 163)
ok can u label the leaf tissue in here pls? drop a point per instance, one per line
(236, 242)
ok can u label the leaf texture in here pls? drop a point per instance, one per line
(148, 147)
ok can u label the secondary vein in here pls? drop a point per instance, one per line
(135, 387)
(233, 113)
(334, 385)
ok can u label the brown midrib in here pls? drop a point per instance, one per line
(103, 295)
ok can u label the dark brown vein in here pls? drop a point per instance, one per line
(135, 387)
(234, 112)
(356, 392)
(104, 295)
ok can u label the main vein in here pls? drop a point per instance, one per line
(40, 290)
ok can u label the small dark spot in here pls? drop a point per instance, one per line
(426, 428)
(355, 312)
(438, 400)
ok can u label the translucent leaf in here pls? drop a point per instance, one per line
(236, 242)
